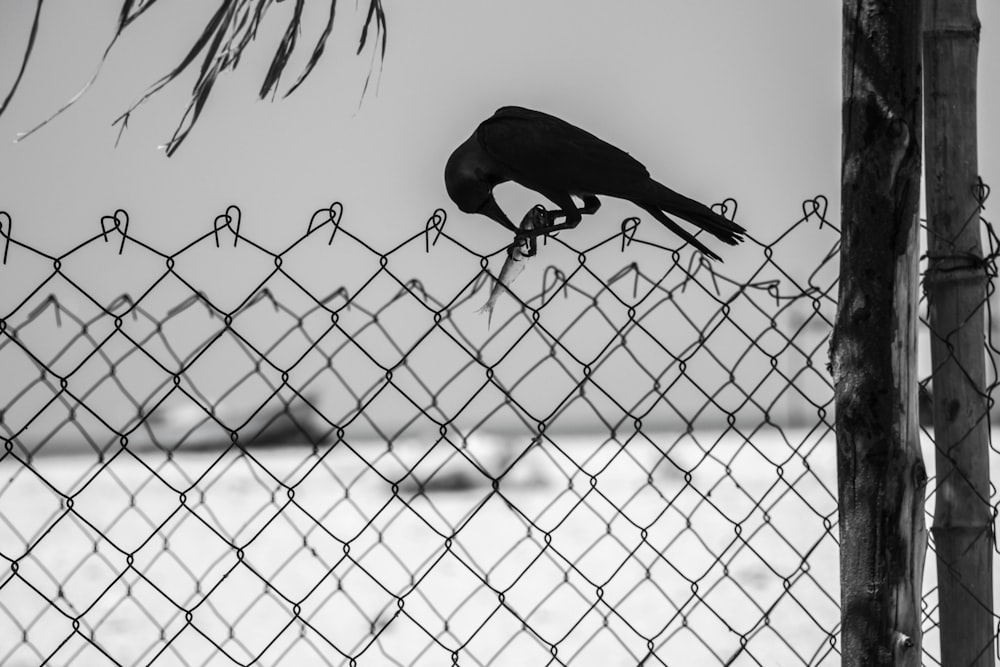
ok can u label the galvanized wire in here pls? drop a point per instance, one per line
(634, 465)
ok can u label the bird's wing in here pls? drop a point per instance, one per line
(542, 151)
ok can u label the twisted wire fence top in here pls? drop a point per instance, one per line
(323, 455)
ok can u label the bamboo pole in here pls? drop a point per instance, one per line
(956, 289)
(880, 471)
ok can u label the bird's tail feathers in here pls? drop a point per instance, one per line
(666, 200)
(680, 231)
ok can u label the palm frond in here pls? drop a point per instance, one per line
(374, 10)
(219, 46)
(131, 10)
(210, 31)
(27, 55)
(284, 51)
(317, 50)
(126, 16)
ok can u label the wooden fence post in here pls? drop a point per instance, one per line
(880, 471)
(956, 291)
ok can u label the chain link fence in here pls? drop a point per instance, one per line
(315, 457)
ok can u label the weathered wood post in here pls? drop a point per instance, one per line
(956, 292)
(880, 471)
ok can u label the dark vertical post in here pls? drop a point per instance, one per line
(956, 291)
(880, 471)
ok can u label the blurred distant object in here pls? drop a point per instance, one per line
(191, 426)
(220, 46)
(471, 463)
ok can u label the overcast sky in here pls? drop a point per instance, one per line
(718, 98)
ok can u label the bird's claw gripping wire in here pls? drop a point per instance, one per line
(534, 226)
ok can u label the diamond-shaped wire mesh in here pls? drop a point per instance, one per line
(311, 457)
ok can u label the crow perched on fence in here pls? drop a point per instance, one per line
(559, 161)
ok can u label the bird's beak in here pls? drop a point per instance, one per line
(492, 211)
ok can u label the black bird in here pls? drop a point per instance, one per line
(559, 161)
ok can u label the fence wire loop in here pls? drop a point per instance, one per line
(629, 269)
(816, 207)
(197, 297)
(981, 192)
(553, 277)
(696, 263)
(118, 222)
(727, 208)
(232, 215)
(629, 227)
(339, 293)
(411, 286)
(332, 215)
(435, 222)
(51, 301)
(263, 294)
(124, 300)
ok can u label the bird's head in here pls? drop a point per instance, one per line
(469, 185)
(465, 187)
